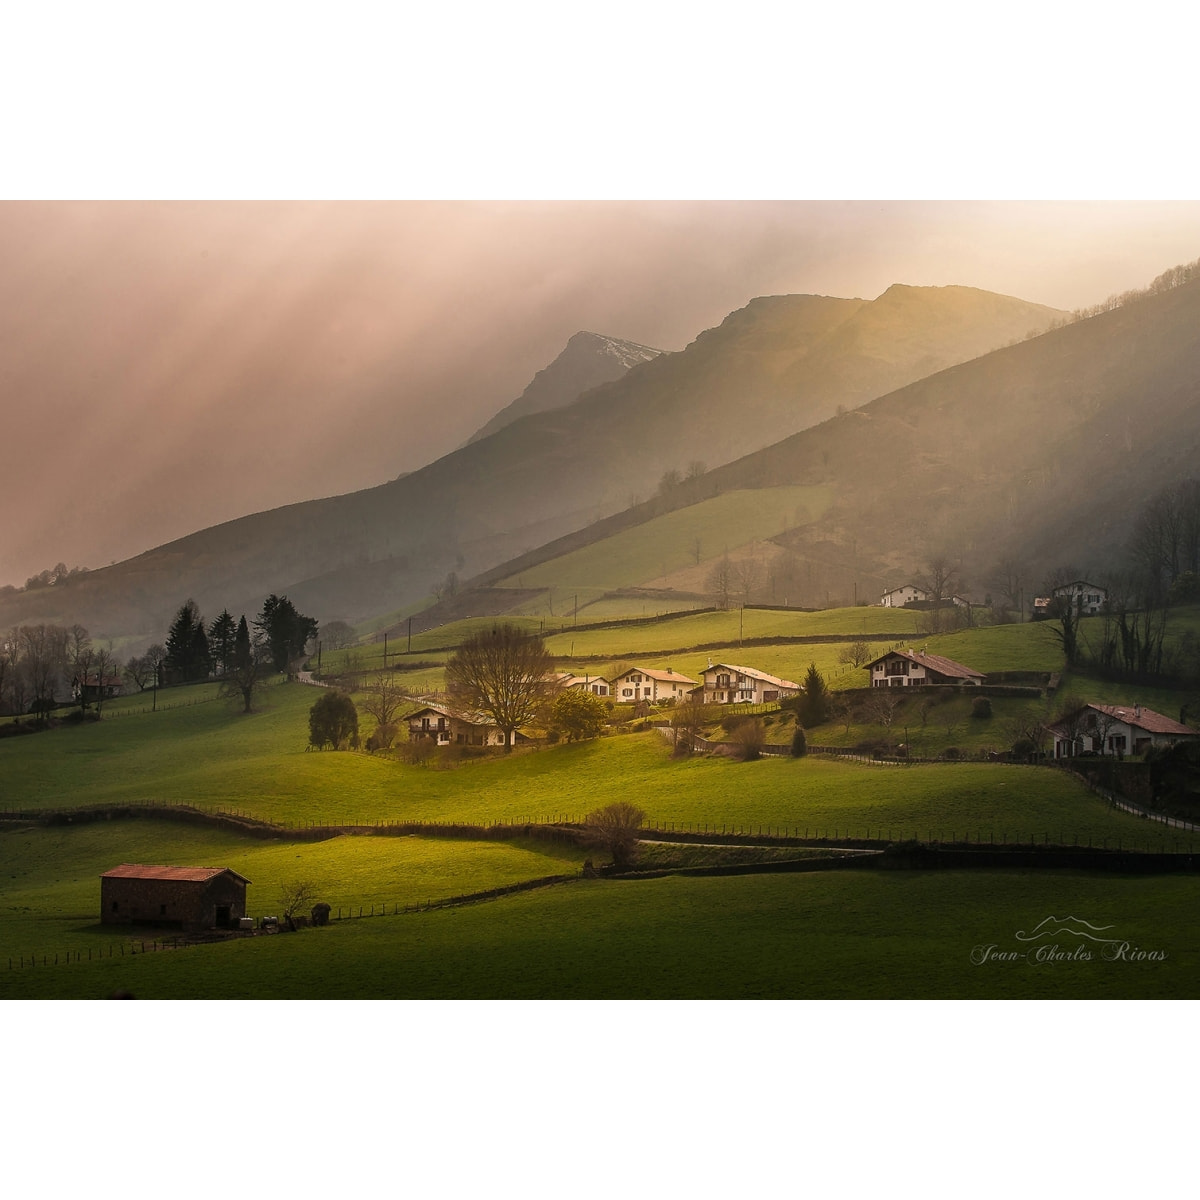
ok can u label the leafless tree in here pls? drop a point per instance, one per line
(615, 828)
(881, 708)
(139, 671)
(43, 650)
(855, 654)
(687, 722)
(720, 582)
(504, 673)
(336, 635)
(384, 697)
(695, 469)
(1006, 583)
(294, 896)
(746, 573)
(106, 666)
(670, 480)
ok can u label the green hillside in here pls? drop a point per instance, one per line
(830, 935)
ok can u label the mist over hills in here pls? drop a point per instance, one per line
(588, 360)
(777, 366)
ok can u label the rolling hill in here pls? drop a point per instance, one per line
(1043, 452)
(770, 369)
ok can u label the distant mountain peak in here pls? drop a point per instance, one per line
(587, 361)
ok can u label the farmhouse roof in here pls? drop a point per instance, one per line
(754, 673)
(1138, 717)
(667, 676)
(172, 874)
(935, 662)
(444, 710)
(1085, 583)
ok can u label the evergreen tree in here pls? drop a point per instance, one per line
(814, 708)
(221, 635)
(187, 645)
(241, 643)
(285, 631)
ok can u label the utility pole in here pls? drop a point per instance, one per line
(385, 651)
(409, 651)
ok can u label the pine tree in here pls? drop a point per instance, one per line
(187, 645)
(221, 635)
(814, 708)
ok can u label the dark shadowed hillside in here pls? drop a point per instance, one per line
(772, 368)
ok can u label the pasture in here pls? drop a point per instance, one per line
(825, 935)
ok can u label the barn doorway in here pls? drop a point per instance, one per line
(223, 916)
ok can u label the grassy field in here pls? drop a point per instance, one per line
(211, 755)
(49, 877)
(701, 532)
(834, 935)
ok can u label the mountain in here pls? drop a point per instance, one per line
(770, 369)
(1044, 452)
(588, 360)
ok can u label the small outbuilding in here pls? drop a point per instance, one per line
(186, 898)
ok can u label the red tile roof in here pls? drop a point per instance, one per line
(1144, 718)
(176, 874)
(935, 662)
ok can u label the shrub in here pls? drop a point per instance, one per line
(981, 707)
(382, 738)
(748, 739)
(333, 721)
(320, 913)
(952, 753)
(799, 743)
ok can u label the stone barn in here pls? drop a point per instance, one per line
(185, 898)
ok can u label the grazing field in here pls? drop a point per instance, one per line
(50, 877)
(832, 934)
(211, 755)
(697, 534)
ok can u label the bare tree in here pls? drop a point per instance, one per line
(749, 737)
(615, 828)
(295, 895)
(139, 671)
(687, 721)
(881, 708)
(720, 582)
(746, 574)
(855, 654)
(1006, 583)
(384, 699)
(337, 634)
(504, 673)
(106, 666)
(670, 480)
(44, 653)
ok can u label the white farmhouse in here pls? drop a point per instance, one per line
(899, 597)
(916, 668)
(646, 685)
(725, 683)
(1116, 729)
(1087, 598)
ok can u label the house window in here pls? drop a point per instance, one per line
(441, 722)
(635, 679)
(722, 681)
(424, 722)
(627, 691)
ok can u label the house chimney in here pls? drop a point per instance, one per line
(1137, 711)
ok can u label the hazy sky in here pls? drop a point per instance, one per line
(166, 366)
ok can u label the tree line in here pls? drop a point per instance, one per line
(38, 663)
